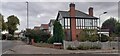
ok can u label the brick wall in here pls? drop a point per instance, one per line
(73, 21)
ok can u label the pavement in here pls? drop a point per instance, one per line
(22, 48)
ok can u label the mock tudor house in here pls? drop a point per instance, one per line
(51, 26)
(74, 20)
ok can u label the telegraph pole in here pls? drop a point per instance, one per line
(27, 14)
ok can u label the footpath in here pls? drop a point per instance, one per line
(22, 48)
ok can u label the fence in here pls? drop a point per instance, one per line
(103, 45)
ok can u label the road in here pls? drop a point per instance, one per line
(6, 45)
(21, 49)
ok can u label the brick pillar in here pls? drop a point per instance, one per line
(73, 21)
(90, 11)
(32, 40)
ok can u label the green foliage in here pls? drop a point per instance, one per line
(71, 48)
(12, 24)
(95, 47)
(58, 33)
(103, 38)
(84, 47)
(93, 38)
(50, 40)
(117, 29)
(87, 35)
(80, 47)
(38, 36)
(1, 20)
(110, 24)
(82, 36)
(3, 25)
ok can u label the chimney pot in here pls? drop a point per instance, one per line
(72, 5)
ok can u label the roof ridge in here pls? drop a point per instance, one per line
(82, 12)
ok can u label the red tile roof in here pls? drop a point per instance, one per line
(44, 26)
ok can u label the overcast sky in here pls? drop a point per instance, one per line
(42, 12)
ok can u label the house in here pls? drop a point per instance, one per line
(51, 26)
(44, 27)
(73, 21)
(104, 31)
(16, 35)
(37, 28)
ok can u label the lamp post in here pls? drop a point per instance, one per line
(27, 15)
(99, 23)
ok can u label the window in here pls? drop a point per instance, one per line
(67, 23)
(88, 22)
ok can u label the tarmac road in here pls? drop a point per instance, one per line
(7, 44)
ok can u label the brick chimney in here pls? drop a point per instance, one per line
(90, 11)
(73, 21)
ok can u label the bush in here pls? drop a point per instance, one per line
(71, 48)
(87, 47)
(103, 38)
(95, 47)
(50, 40)
(93, 38)
(83, 47)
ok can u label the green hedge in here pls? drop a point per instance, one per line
(83, 47)
(71, 48)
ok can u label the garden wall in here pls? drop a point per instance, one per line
(103, 45)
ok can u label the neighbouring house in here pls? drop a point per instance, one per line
(22, 35)
(104, 31)
(16, 35)
(37, 28)
(73, 21)
(51, 26)
(44, 27)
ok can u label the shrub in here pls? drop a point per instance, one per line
(83, 47)
(103, 38)
(88, 47)
(71, 48)
(50, 40)
(95, 47)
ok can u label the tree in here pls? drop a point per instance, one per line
(110, 24)
(1, 18)
(3, 25)
(58, 33)
(37, 35)
(12, 24)
(117, 29)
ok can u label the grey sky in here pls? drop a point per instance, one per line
(42, 12)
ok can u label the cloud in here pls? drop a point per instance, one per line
(42, 12)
